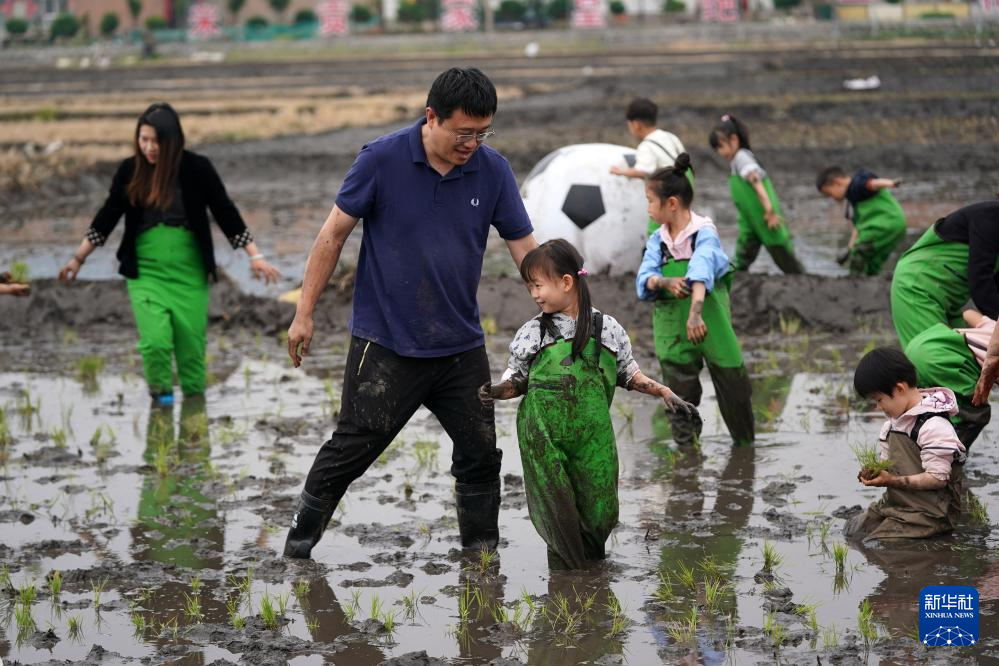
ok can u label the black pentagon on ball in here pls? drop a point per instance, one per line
(583, 205)
(629, 158)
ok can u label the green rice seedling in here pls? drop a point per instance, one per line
(301, 591)
(55, 583)
(870, 461)
(87, 370)
(192, 606)
(686, 576)
(977, 511)
(839, 552)
(840, 583)
(312, 624)
(138, 623)
(376, 607)
(425, 452)
(28, 409)
(711, 568)
(487, 559)
(98, 588)
(59, 437)
(771, 558)
(714, 592)
(27, 594)
(6, 438)
(823, 533)
(411, 604)
(774, 630)
(163, 460)
(866, 625)
(789, 325)
(388, 621)
(465, 604)
(171, 627)
(25, 620)
(664, 591)
(268, 614)
(196, 585)
(282, 601)
(19, 272)
(75, 623)
(619, 618)
(6, 584)
(349, 611)
(683, 631)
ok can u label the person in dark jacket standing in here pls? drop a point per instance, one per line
(166, 252)
(428, 195)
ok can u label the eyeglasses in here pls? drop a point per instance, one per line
(481, 137)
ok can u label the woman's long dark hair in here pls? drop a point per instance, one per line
(156, 184)
(728, 126)
(556, 258)
(672, 181)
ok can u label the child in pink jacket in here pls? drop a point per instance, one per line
(924, 484)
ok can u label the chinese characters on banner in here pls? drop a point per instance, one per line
(589, 14)
(203, 21)
(459, 16)
(719, 11)
(333, 17)
(990, 6)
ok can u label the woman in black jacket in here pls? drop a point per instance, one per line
(166, 253)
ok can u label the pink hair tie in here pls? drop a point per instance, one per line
(582, 272)
(726, 118)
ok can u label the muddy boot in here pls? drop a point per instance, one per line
(478, 514)
(307, 526)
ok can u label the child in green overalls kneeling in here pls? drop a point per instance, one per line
(566, 363)
(761, 221)
(688, 275)
(878, 219)
(924, 485)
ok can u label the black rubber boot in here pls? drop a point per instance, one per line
(478, 514)
(307, 526)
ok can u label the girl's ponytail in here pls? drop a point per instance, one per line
(673, 182)
(728, 126)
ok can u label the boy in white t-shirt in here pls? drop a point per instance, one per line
(657, 149)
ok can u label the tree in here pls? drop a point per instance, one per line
(156, 23)
(235, 7)
(279, 7)
(17, 26)
(109, 23)
(65, 25)
(134, 9)
(559, 9)
(360, 13)
(305, 16)
(511, 11)
(256, 23)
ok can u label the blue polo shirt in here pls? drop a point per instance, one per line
(424, 238)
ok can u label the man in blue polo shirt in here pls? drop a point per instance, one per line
(428, 195)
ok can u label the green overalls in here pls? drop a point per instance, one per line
(880, 224)
(930, 286)
(912, 514)
(681, 360)
(753, 229)
(170, 303)
(568, 449)
(942, 358)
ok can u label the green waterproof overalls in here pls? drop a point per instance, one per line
(880, 224)
(753, 229)
(910, 514)
(943, 357)
(568, 449)
(170, 302)
(929, 286)
(681, 360)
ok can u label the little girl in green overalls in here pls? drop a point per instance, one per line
(687, 274)
(566, 362)
(760, 219)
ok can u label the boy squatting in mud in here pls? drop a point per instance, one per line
(924, 483)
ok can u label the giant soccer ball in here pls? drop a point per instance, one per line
(571, 194)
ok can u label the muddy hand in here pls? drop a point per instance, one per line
(696, 329)
(14, 289)
(70, 270)
(486, 394)
(678, 405)
(299, 335)
(264, 271)
(990, 372)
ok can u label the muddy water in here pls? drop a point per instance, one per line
(165, 507)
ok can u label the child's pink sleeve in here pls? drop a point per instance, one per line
(939, 447)
(883, 441)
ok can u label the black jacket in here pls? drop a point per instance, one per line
(201, 189)
(977, 226)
